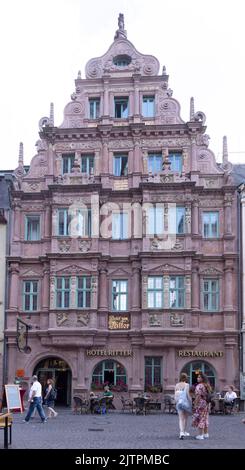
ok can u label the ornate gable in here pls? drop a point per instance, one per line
(124, 53)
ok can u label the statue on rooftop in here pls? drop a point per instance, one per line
(120, 33)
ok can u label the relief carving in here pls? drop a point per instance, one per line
(154, 319)
(176, 319)
(64, 246)
(83, 318)
(84, 245)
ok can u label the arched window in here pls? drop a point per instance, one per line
(111, 373)
(193, 368)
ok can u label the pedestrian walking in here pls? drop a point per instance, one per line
(35, 400)
(183, 403)
(201, 406)
(50, 397)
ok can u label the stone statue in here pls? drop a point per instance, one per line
(120, 33)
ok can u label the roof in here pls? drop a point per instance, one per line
(238, 173)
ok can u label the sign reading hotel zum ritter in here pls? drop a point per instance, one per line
(192, 353)
(109, 352)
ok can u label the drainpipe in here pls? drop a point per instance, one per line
(8, 237)
(240, 281)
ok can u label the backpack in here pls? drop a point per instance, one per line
(53, 394)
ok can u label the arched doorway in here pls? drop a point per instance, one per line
(111, 372)
(192, 369)
(58, 370)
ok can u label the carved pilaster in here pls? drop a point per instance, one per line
(166, 286)
(144, 291)
(188, 218)
(228, 214)
(136, 288)
(14, 286)
(103, 299)
(193, 154)
(195, 217)
(52, 291)
(188, 291)
(73, 287)
(195, 287)
(94, 301)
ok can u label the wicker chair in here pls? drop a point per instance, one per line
(80, 405)
(127, 404)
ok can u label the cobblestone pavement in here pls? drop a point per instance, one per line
(122, 431)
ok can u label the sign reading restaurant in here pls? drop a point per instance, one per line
(109, 352)
(191, 353)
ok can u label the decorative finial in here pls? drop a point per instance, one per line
(51, 115)
(120, 33)
(21, 155)
(225, 150)
(164, 72)
(192, 109)
(79, 75)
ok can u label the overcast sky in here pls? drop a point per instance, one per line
(45, 43)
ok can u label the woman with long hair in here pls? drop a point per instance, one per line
(49, 398)
(183, 411)
(201, 406)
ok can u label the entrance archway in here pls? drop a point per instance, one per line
(109, 372)
(192, 369)
(58, 370)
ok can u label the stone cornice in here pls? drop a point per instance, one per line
(56, 134)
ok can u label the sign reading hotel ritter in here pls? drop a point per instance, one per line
(191, 353)
(109, 352)
(118, 322)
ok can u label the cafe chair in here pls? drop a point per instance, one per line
(127, 404)
(80, 405)
(169, 404)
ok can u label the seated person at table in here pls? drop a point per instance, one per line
(107, 392)
(230, 397)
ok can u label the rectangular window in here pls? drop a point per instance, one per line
(67, 162)
(87, 164)
(177, 292)
(120, 295)
(210, 295)
(119, 225)
(30, 291)
(210, 224)
(64, 220)
(94, 108)
(152, 372)
(120, 165)
(154, 163)
(32, 229)
(148, 106)
(84, 290)
(62, 292)
(121, 107)
(155, 292)
(77, 223)
(180, 220)
(155, 221)
(176, 161)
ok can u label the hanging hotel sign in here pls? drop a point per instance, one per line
(109, 352)
(191, 353)
(118, 322)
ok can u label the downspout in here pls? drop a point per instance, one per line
(239, 250)
(8, 238)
